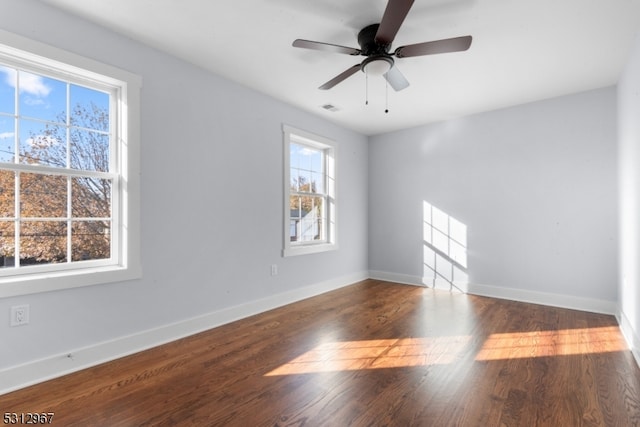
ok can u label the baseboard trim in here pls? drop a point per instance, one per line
(544, 298)
(630, 336)
(404, 279)
(533, 297)
(429, 282)
(20, 376)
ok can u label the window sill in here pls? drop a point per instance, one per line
(309, 249)
(52, 281)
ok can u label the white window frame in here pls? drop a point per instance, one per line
(328, 147)
(125, 88)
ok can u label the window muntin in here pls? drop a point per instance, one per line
(309, 193)
(69, 170)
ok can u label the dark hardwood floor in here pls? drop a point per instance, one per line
(371, 354)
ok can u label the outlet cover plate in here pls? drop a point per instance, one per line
(19, 315)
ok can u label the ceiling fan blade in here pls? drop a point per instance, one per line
(327, 47)
(340, 77)
(456, 44)
(396, 79)
(392, 19)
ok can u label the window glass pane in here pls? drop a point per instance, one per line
(315, 159)
(294, 205)
(89, 108)
(306, 206)
(7, 194)
(43, 196)
(43, 242)
(42, 144)
(7, 90)
(294, 158)
(293, 230)
(305, 153)
(311, 209)
(89, 150)
(306, 169)
(90, 240)
(42, 97)
(317, 182)
(307, 230)
(91, 198)
(294, 215)
(7, 139)
(300, 181)
(7, 244)
(294, 164)
(304, 182)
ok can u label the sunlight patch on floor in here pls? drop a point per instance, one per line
(563, 342)
(412, 352)
(375, 354)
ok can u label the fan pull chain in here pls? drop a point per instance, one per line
(366, 88)
(386, 97)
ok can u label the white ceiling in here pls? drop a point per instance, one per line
(522, 51)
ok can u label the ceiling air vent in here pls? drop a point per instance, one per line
(330, 107)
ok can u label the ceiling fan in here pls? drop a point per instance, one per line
(375, 42)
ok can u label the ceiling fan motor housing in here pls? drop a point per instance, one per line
(368, 44)
(378, 58)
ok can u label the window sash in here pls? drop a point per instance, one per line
(305, 226)
(69, 219)
(65, 171)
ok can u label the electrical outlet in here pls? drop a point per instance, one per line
(19, 315)
(274, 269)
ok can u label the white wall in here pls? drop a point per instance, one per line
(629, 140)
(212, 156)
(535, 186)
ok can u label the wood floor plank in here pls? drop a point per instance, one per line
(371, 354)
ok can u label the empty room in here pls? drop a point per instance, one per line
(320, 213)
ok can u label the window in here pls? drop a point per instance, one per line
(68, 160)
(309, 211)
